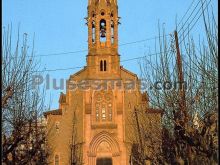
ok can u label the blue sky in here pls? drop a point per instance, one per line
(59, 26)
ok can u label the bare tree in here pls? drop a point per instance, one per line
(23, 133)
(191, 103)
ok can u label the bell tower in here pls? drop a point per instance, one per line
(103, 21)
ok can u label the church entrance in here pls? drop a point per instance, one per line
(104, 161)
(104, 150)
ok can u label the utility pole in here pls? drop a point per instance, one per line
(182, 99)
(183, 116)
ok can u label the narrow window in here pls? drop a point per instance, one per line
(93, 32)
(103, 113)
(97, 112)
(110, 111)
(101, 65)
(105, 65)
(56, 159)
(112, 32)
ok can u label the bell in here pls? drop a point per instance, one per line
(103, 33)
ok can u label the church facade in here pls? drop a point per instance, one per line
(92, 125)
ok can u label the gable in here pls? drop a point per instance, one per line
(126, 74)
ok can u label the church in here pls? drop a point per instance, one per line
(91, 125)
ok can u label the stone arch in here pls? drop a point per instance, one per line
(104, 137)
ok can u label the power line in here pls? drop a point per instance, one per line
(131, 59)
(184, 36)
(144, 40)
(195, 21)
(169, 49)
(189, 16)
(134, 42)
(186, 12)
(85, 50)
(62, 53)
(192, 27)
(126, 60)
(124, 44)
(60, 69)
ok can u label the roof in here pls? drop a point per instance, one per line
(77, 73)
(53, 112)
(127, 71)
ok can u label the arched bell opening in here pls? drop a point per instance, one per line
(103, 30)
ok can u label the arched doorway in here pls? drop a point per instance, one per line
(104, 150)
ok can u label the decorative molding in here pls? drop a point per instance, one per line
(104, 126)
(104, 137)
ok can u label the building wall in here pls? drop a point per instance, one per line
(88, 134)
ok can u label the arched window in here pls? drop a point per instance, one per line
(56, 160)
(103, 30)
(103, 107)
(105, 65)
(101, 65)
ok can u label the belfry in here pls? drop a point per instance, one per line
(91, 125)
(102, 21)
